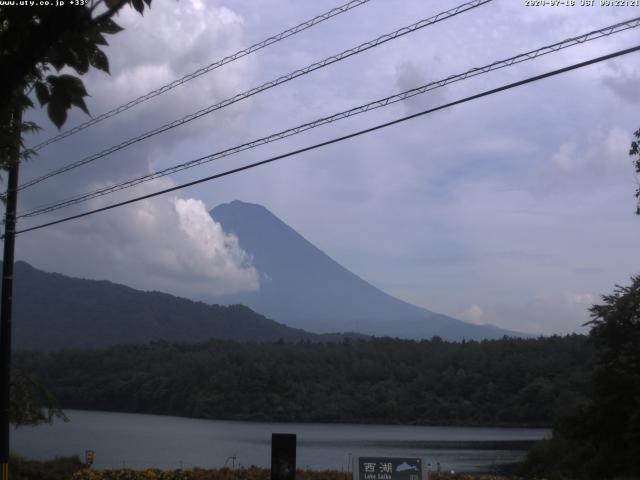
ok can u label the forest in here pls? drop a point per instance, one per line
(506, 382)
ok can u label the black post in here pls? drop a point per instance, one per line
(7, 297)
(283, 456)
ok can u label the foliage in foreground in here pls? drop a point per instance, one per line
(58, 469)
(71, 468)
(39, 42)
(601, 439)
(499, 382)
(31, 403)
(252, 473)
(635, 152)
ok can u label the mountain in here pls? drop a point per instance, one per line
(53, 311)
(303, 287)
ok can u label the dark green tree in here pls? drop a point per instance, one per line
(31, 402)
(615, 409)
(635, 152)
(36, 43)
(601, 438)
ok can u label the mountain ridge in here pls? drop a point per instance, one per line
(53, 311)
(302, 286)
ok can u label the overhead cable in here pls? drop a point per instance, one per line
(338, 139)
(606, 31)
(265, 86)
(201, 71)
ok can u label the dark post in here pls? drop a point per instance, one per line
(283, 456)
(7, 294)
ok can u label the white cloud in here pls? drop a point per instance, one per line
(564, 159)
(558, 313)
(623, 80)
(173, 39)
(209, 252)
(165, 243)
(596, 159)
(474, 314)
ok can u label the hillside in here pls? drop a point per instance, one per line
(303, 287)
(53, 311)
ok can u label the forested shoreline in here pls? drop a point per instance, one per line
(506, 382)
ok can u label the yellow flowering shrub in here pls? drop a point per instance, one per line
(252, 473)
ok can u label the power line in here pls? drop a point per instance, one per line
(606, 31)
(340, 139)
(201, 71)
(273, 83)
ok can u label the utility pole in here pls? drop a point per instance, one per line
(7, 292)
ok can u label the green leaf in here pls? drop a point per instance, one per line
(57, 113)
(110, 27)
(72, 85)
(83, 63)
(99, 60)
(77, 58)
(98, 38)
(42, 93)
(25, 102)
(138, 5)
(79, 102)
(66, 90)
(55, 58)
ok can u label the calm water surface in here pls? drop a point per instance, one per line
(139, 441)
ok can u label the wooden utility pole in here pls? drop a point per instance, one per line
(7, 293)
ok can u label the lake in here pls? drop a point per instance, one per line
(140, 441)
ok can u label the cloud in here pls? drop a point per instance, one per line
(596, 159)
(539, 174)
(474, 314)
(171, 40)
(166, 243)
(174, 39)
(410, 75)
(558, 313)
(623, 80)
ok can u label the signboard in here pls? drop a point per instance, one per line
(387, 468)
(283, 456)
(88, 457)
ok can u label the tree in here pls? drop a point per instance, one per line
(601, 439)
(635, 151)
(36, 43)
(31, 402)
(615, 409)
(37, 40)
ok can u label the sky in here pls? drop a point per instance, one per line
(515, 210)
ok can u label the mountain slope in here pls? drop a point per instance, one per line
(53, 311)
(303, 287)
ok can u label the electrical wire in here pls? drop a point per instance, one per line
(273, 83)
(606, 31)
(201, 71)
(339, 139)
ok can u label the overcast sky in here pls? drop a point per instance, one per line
(516, 209)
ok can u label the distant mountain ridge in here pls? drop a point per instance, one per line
(53, 311)
(303, 287)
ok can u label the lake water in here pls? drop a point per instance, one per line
(139, 441)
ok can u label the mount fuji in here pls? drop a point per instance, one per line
(303, 287)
